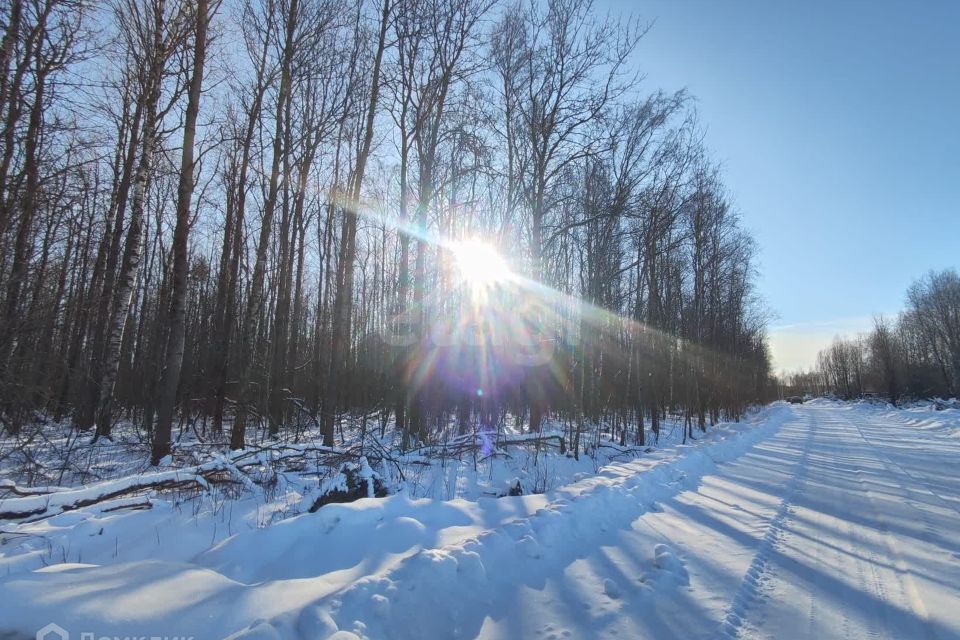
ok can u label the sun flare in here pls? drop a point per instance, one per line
(479, 264)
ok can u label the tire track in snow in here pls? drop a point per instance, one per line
(752, 581)
(841, 560)
(851, 533)
(908, 586)
(877, 626)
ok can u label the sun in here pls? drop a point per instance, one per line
(479, 264)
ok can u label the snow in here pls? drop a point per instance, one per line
(824, 520)
(62, 499)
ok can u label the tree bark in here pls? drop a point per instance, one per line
(132, 252)
(343, 298)
(170, 379)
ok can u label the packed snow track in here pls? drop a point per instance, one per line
(825, 520)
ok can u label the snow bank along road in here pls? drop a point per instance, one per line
(824, 521)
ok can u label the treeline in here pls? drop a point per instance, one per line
(228, 212)
(916, 355)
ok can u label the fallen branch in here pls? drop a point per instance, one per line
(10, 487)
(40, 506)
(139, 505)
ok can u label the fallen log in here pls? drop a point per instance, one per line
(10, 487)
(40, 506)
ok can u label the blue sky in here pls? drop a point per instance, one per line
(838, 126)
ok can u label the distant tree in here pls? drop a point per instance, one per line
(885, 357)
(915, 355)
(935, 304)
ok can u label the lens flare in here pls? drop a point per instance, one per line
(479, 264)
(506, 329)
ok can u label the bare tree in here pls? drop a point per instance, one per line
(174, 248)
(203, 11)
(153, 32)
(348, 236)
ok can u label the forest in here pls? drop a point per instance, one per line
(913, 356)
(253, 219)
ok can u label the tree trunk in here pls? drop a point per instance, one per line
(170, 379)
(255, 301)
(343, 298)
(132, 252)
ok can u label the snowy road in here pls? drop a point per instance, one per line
(820, 521)
(842, 522)
(841, 525)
